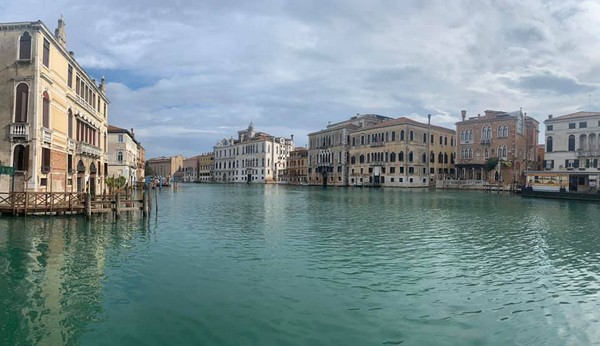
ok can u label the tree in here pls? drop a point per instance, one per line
(490, 163)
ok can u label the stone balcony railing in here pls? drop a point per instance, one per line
(46, 135)
(88, 149)
(377, 144)
(588, 153)
(19, 131)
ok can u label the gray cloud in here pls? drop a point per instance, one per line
(186, 74)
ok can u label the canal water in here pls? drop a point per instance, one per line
(277, 265)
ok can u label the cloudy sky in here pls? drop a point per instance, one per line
(185, 74)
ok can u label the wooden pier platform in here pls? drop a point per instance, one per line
(53, 203)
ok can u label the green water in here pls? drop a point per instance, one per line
(274, 265)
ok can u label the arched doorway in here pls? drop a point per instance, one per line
(92, 182)
(80, 176)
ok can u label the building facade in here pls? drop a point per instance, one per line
(508, 141)
(190, 169)
(123, 155)
(328, 150)
(164, 166)
(54, 113)
(297, 167)
(205, 167)
(573, 149)
(254, 157)
(401, 153)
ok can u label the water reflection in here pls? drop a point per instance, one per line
(52, 274)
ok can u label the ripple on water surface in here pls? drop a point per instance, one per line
(228, 264)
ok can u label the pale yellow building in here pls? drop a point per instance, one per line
(164, 166)
(54, 113)
(401, 153)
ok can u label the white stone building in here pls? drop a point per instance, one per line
(123, 154)
(573, 149)
(254, 157)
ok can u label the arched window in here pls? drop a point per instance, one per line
(424, 138)
(361, 158)
(424, 157)
(471, 135)
(352, 160)
(432, 157)
(486, 153)
(387, 156)
(505, 131)
(411, 136)
(21, 101)
(25, 46)
(70, 124)
(445, 157)
(401, 156)
(470, 153)
(392, 156)
(21, 158)
(549, 144)
(410, 156)
(440, 158)
(362, 140)
(462, 136)
(484, 133)
(582, 142)
(571, 143)
(393, 136)
(489, 132)
(402, 135)
(119, 156)
(46, 110)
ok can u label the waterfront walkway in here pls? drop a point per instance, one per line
(51, 203)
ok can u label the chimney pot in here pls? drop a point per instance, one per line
(463, 114)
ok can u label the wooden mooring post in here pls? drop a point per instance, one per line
(117, 209)
(88, 205)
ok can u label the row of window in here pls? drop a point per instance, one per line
(384, 137)
(486, 133)
(391, 157)
(82, 88)
(467, 153)
(586, 142)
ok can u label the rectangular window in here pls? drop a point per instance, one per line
(77, 85)
(583, 124)
(411, 170)
(401, 170)
(120, 138)
(392, 170)
(46, 54)
(572, 125)
(45, 160)
(70, 77)
(549, 127)
(70, 164)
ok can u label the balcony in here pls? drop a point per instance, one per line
(88, 149)
(377, 144)
(46, 135)
(588, 153)
(19, 131)
(486, 141)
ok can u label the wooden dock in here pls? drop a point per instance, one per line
(57, 203)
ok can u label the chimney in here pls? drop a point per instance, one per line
(292, 138)
(479, 115)
(463, 114)
(429, 119)
(550, 116)
(60, 33)
(72, 54)
(132, 134)
(103, 84)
